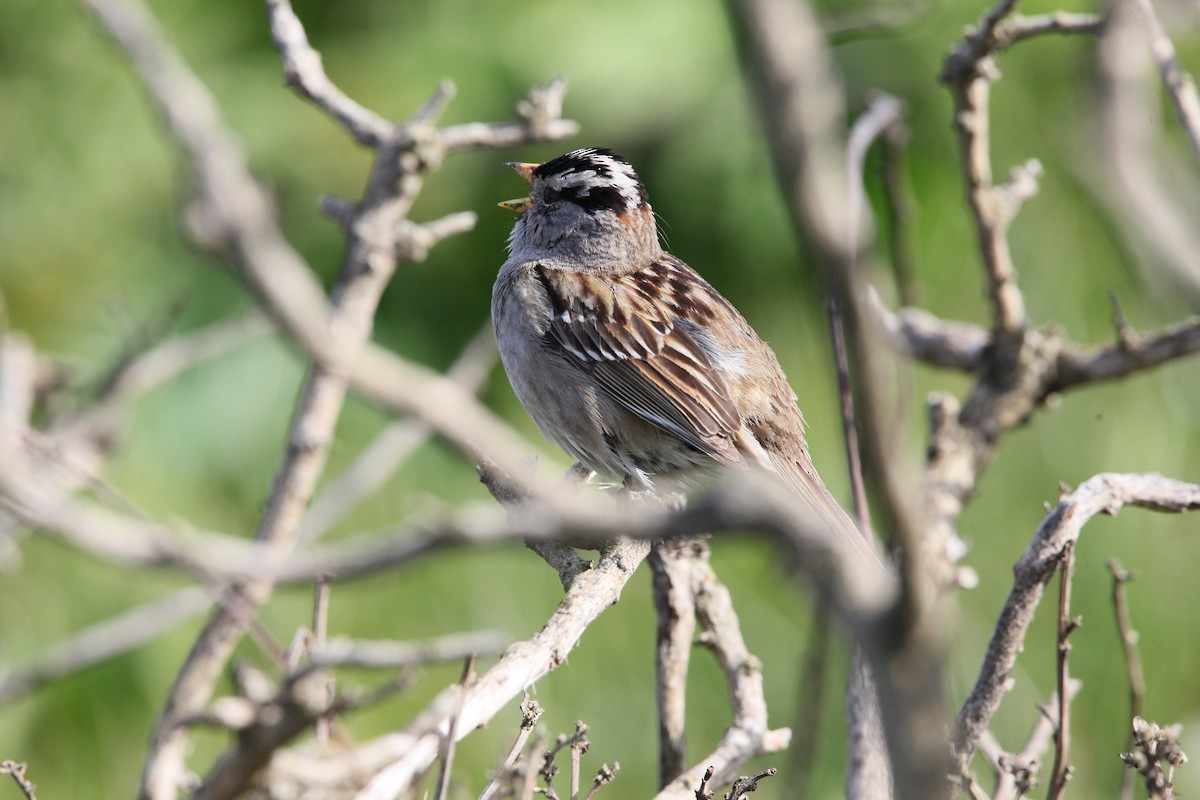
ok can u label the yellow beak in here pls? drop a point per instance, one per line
(523, 169)
(523, 204)
(519, 205)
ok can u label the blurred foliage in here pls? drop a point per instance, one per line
(89, 195)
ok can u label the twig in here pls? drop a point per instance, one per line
(302, 66)
(604, 776)
(1077, 365)
(744, 786)
(342, 652)
(671, 565)
(1018, 28)
(579, 746)
(529, 777)
(941, 343)
(899, 204)
(748, 735)
(531, 712)
(1061, 771)
(1155, 747)
(102, 641)
(1017, 772)
(968, 72)
(703, 792)
(858, 487)
(790, 68)
(17, 771)
(1106, 493)
(443, 781)
(158, 365)
(393, 445)
(1179, 83)
(233, 214)
(320, 633)
(868, 774)
(523, 663)
(1133, 660)
(1143, 201)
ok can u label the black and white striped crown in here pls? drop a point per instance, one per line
(594, 178)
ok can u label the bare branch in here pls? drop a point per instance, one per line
(1155, 747)
(1106, 493)
(343, 652)
(414, 241)
(392, 447)
(671, 565)
(305, 73)
(1018, 28)
(748, 735)
(103, 641)
(448, 746)
(1180, 86)
(17, 771)
(234, 214)
(591, 593)
(1154, 212)
(1133, 661)
(925, 337)
(1061, 771)
(1132, 352)
(968, 72)
(162, 363)
(531, 712)
(1018, 771)
(790, 69)
(868, 770)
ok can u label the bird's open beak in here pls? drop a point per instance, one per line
(522, 204)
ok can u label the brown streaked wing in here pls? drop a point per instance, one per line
(624, 331)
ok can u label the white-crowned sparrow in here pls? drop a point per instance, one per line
(623, 355)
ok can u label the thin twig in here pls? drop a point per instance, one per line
(1018, 28)
(464, 683)
(392, 447)
(968, 72)
(604, 776)
(1133, 659)
(858, 487)
(1017, 772)
(305, 73)
(1106, 493)
(579, 746)
(1179, 83)
(531, 712)
(17, 770)
(592, 593)
(702, 791)
(788, 65)
(1061, 771)
(320, 634)
(103, 641)
(899, 204)
(675, 610)
(748, 735)
(744, 786)
(529, 777)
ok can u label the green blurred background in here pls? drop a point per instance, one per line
(89, 196)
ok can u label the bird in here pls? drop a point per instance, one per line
(625, 357)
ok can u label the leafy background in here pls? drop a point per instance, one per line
(89, 194)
